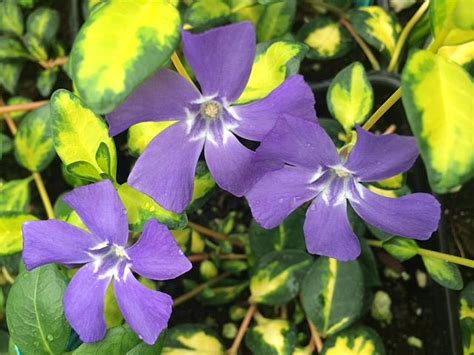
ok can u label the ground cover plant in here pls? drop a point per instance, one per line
(236, 176)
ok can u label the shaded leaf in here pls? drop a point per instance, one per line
(34, 147)
(332, 294)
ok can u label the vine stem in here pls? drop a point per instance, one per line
(180, 68)
(36, 176)
(29, 106)
(44, 195)
(365, 48)
(197, 290)
(404, 35)
(57, 62)
(316, 338)
(377, 115)
(243, 328)
(431, 253)
(213, 234)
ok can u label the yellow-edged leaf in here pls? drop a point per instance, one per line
(11, 239)
(438, 99)
(274, 62)
(78, 134)
(350, 97)
(121, 44)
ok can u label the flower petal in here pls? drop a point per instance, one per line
(84, 304)
(101, 210)
(328, 232)
(156, 255)
(230, 164)
(280, 192)
(293, 97)
(54, 241)
(163, 97)
(146, 311)
(414, 216)
(298, 142)
(378, 157)
(165, 171)
(222, 58)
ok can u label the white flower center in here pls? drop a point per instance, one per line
(211, 110)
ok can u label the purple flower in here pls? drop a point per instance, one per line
(222, 60)
(105, 255)
(308, 167)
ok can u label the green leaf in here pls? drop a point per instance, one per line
(401, 248)
(34, 147)
(145, 349)
(452, 21)
(36, 48)
(118, 341)
(443, 272)
(377, 27)
(271, 336)
(204, 186)
(368, 265)
(12, 48)
(46, 80)
(278, 276)
(43, 23)
(141, 134)
(10, 72)
(6, 144)
(35, 312)
(11, 18)
(226, 292)
(350, 97)
(26, 4)
(109, 61)
(15, 195)
(102, 158)
(437, 97)
(466, 317)
(288, 235)
(11, 240)
(273, 63)
(207, 13)
(193, 340)
(356, 340)
(77, 134)
(326, 38)
(141, 208)
(243, 10)
(276, 20)
(333, 294)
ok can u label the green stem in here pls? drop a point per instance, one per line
(433, 254)
(377, 115)
(404, 35)
(197, 290)
(44, 195)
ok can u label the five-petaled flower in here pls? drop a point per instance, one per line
(106, 257)
(222, 61)
(307, 166)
